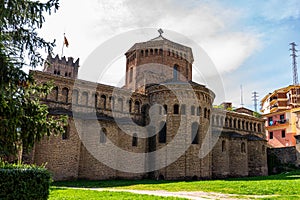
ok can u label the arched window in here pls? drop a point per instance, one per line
(58, 72)
(134, 140)
(239, 124)
(85, 98)
(96, 100)
(103, 133)
(120, 104)
(176, 109)
(243, 147)
(66, 74)
(205, 112)
(165, 109)
(146, 52)
(258, 128)
(75, 96)
(208, 113)
(103, 101)
(195, 133)
(130, 105)
(137, 106)
(182, 109)
(65, 94)
(223, 145)
(142, 53)
(198, 111)
(55, 72)
(162, 135)
(55, 93)
(130, 75)
(151, 51)
(112, 103)
(70, 74)
(192, 110)
(175, 72)
(234, 123)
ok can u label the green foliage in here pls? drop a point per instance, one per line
(75, 194)
(257, 114)
(23, 120)
(282, 185)
(24, 182)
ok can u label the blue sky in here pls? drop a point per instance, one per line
(248, 41)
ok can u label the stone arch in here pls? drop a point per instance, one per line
(165, 109)
(65, 94)
(84, 98)
(223, 145)
(112, 102)
(243, 147)
(134, 140)
(55, 93)
(95, 99)
(176, 109)
(137, 106)
(103, 101)
(75, 96)
(195, 133)
(162, 135)
(120, 104)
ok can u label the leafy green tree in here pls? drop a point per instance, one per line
(23, 119)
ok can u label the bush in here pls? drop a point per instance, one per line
(23, 182)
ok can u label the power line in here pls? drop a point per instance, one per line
(255, 100)
(294, 56)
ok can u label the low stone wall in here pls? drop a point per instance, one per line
(282, 159)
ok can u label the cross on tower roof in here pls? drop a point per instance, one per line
(160, 31)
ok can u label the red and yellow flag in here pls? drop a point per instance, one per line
(66, 41)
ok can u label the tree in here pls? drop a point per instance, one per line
(23, 119)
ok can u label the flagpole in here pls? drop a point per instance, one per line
(62, 50)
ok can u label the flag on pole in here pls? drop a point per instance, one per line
(66, 42)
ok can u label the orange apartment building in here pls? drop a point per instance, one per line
(280, 110)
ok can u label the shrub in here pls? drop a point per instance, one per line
(23, 182)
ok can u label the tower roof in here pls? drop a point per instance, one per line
(161, 42)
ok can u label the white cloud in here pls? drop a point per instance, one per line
(92, 22)
(280, 10)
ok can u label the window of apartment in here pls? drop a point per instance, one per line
(283, 133)
(271, 135)
(270, 121)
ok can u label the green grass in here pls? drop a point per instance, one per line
(285, 185)
(75, 194)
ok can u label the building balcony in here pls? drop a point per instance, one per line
(273, 100)
(273, 108)
(278, 122)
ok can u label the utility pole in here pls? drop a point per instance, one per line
(294, 56)
(255, 99)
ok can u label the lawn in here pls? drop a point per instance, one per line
(284, 185)
(75, 194)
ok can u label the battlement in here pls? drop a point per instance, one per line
(62, 66)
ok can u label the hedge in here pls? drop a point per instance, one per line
(23, 182)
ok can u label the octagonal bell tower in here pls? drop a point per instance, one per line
(155, 61)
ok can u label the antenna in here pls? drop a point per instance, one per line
(242, 102)
(254, 97)
(294, 56)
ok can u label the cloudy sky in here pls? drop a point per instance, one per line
(248, 41)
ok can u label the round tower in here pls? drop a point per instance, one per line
(155, 61)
